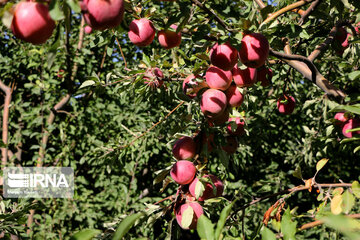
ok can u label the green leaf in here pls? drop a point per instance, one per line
(86, 234)
(297, 172)
(161, 176)
(87, 83)
(74, 5)
(205, 228)
(345, 225)
(223, 216)
(320, 164)
(55, 10)
(288, 227)
(348, 201)
(354, 75)
(336, 203)
(199, 189)
(267, 234)
(355, 187)
(126, 224)
(187, 217)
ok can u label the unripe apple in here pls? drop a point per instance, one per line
(217, 78)
(103, 14)
(264, 75)
(340, 118)
(286, 104)
(169, 39)
(183, 172)
(209, 189)
(191, 87)
(254, 50)
(88, 29)
(244, 78)
(221, 119)
(213, 102)
(239, 130)
(198, 211)
(223, 56)
(153, 77)
(184, 148)
(234, 96)
(231, 145)
(142, 32)
(351, 124)
(32, 22)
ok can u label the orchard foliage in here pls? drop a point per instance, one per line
(87, 91)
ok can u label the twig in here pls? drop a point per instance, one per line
(5, 123)
(260, 3)
(308, 11)
(79, 46)
(286, 9)
(122, 54)
(319, 222)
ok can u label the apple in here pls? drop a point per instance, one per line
(153, 77)
(32, 22)
(231, 145)
(351, 124)
(191, 87)
(183, 172)
(142, 32)
(264, 75)
(103, 14)
(184, 148)
(168, 38)
(234, 96)
(197, 209)
(286, 104)
(340, 118)
(209, 189)
(217, 78)
(88, 29)
(213, 102)
(223, 56)
(244, 77)
(254, 50)
(239, 130)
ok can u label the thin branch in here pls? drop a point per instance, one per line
(309, 11)
(286, 9)
(260, 3)
(5, 123)
(79, 46)
(122, 54)
(319, 222)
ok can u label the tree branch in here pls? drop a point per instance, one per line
(319, 222)
(5, 123)
(260, 3)
(308, 11)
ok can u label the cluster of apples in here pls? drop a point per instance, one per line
(193, 189)
(341, 39)
(344, 121)
(142, 33)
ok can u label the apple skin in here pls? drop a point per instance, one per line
(217, 78)
(169, 39)
(191, 91)
(234, 96)
(286, 108)
(223, 56)
(340, 118)
(244, 78)
(231, 145)
(88, 29)
(32, 22)
(209, 189)
(142, 32)
(264, 75)
(350, 124)
(103, 14)
(254, 50)
(198, 211)
(239, 127)
(183, 172)
(153, 77)
(184, 148)
(213, 102)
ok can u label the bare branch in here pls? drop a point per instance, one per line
(309, 11)
(5, 123)
(319, 222)
(260, 3)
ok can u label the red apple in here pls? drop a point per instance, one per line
(153, 77)
(234, 96)
(209, 189)
(32, 22)
(264, 75)
(213, 102)
(142, 32)
(223, 56)
(217, 78)
(254, 50)
(191, 87)
(239, 126)
(198, 211)
(286, 104)
(184, 148)
(231, 145)
(351, 124)
(103, 14)
(183, 172)
(168, 38)
(340, 118)
(88, 29)
(244, 78)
